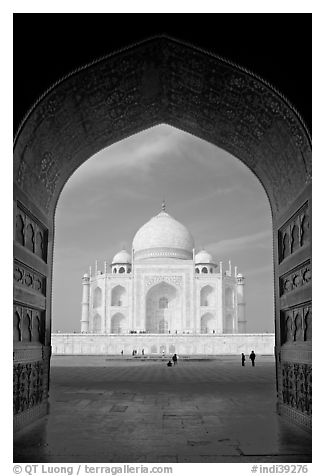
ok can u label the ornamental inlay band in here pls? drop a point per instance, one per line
(175, 280)
(295, 279)
(29, 278)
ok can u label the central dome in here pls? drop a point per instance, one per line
(163, 237)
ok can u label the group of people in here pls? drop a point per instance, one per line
(252, 357)
(134, 352)
(174, 359)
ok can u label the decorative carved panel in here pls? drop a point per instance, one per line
(295, 233)
(297, 386)
(162, 81)
(45, 180)
(29, 278)
(30, 233)
(296, 278)
(173, 280)
(28, 324)
(296, 324)
(28, 385)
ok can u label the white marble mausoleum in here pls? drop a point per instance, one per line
(163, 286)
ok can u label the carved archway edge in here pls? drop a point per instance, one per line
(176, 84)
(167, 38)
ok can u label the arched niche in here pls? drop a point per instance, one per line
(207, 323)
(118, 296)
(229, 327)
(118, 323)
(97, 324)
(26, 328)
(208, 296)
(162, 81)
(230, 297)
(16, 327)
(162, 308)
(98, 296)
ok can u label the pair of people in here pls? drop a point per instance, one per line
(252, 357)
(174, 359)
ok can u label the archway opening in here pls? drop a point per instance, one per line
(208, 323)
(163, 311)
(271, 141)
(118, 324)
(118, 296)
(208, 296)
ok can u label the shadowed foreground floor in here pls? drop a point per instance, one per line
(143, 411)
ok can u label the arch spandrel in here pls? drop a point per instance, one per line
(162, 81)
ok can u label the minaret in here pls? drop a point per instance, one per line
(85, 303)
(241, 304)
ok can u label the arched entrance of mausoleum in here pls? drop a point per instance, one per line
(163, 311)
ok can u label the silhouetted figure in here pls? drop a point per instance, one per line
(174, 359)
(252, 356)
(243, 358)
(163, 354)
(122, 353)
(169, 363)
(142, 351)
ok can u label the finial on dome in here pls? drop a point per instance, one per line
(163, 206)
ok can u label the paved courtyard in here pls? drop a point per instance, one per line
(104, 410)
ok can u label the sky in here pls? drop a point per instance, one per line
(116, 191)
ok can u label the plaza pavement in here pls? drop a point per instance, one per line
(124, 410)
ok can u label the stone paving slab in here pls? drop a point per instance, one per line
(129, 411)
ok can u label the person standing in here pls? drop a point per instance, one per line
(252, 357)
(243, 358)
(174, 359)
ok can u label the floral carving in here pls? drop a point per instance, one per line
(296, 386)
(298, 278)
(28, 277)
(28, 385)
(49, 172)
(161, 81)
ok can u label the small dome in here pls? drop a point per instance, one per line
(203, 257)
(239, 275)
(122, 257)
(164, 237)
(86, 275)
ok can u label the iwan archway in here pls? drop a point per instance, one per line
(163, 309)
(161, 81)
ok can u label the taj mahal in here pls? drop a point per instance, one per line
(163, 287)
(160, 298)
